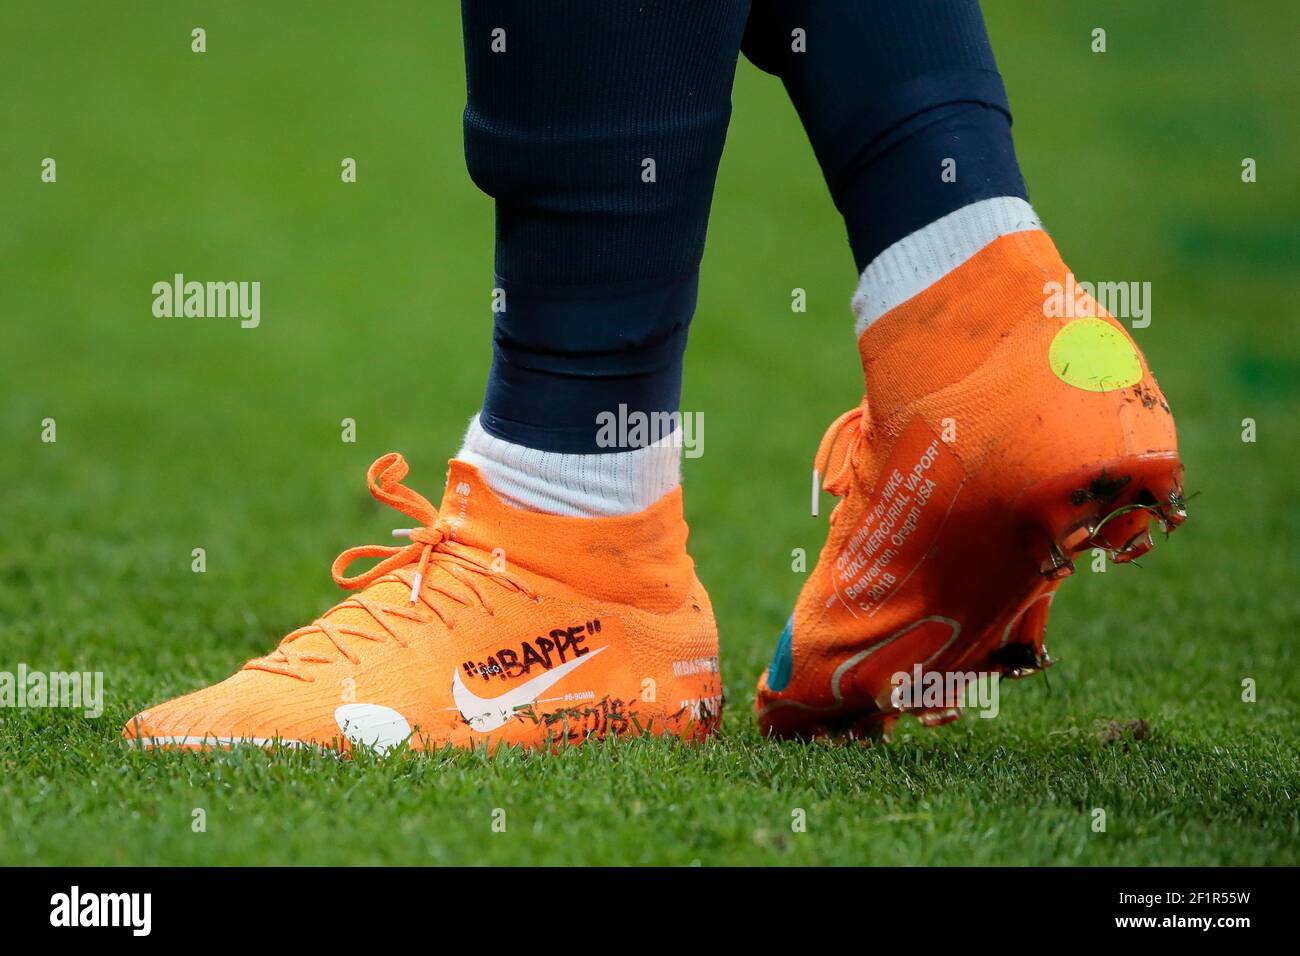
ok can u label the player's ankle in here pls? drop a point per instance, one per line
(579, 485)
(933, 306)
(918, 261)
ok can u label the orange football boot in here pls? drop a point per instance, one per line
(997, 444)
(493, 625)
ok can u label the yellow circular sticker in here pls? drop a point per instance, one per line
(1095, 356)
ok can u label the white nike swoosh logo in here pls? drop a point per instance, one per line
(372, 725)
(488, 713)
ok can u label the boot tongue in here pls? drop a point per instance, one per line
(636, 559)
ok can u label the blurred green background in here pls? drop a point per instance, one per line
(183, 433)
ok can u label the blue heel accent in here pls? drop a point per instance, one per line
(778, 672)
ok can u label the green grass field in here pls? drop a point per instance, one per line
(174, 434)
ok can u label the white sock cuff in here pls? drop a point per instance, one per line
(918, 261)
(618, 483)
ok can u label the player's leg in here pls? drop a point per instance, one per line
(903, 105)
(597, 129)
(1004, 431)
(550, 597)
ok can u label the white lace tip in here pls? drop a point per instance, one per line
(816, 492)
(415, 587)
(402, 532)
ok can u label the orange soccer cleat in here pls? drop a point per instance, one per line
(997, 444)
(493, 625)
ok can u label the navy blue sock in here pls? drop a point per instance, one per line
(597, 250)
(887, 92)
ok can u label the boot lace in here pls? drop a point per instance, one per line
(833, 466)
(430, 547)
